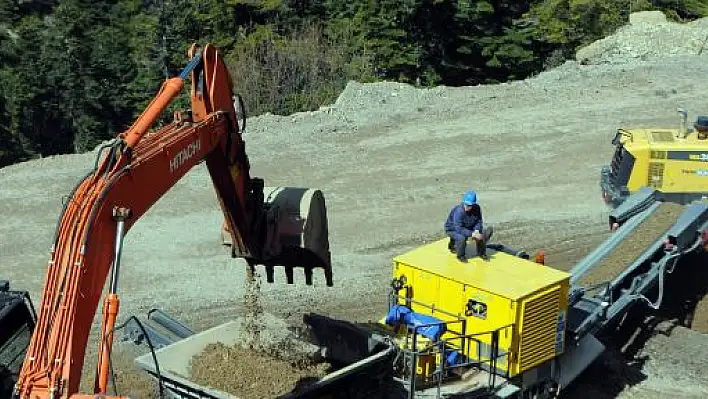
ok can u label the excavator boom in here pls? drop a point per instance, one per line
(137, 169)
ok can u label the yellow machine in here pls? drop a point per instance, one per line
(508, 313)
(510, 327)
(672, 161)
(502, 327)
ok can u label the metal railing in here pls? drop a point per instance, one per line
(459, 342)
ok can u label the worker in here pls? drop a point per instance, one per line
(465, 222)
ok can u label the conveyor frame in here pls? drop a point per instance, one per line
(593, 307)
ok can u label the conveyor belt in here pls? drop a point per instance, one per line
(633, 261)
(634, 244)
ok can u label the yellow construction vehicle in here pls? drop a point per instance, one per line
(510, 326)
(507, 312)
(672, 161)
(504, 326)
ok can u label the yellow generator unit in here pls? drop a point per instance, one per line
(507, 313)
(674, 162)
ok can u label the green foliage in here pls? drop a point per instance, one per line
(578, 22)
(10, 151)
(299, 72)
(88, 48)
(493, 43)
(383, 30)
(680, 10)
(76, 72)
(31, 116)
(8, 12)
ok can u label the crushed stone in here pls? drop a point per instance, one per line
(634, 245)
(648, 36)
(252, 321)
(251, 374)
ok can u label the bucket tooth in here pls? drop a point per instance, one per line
(308, 275)
(270, 270)
(289, 274)
(328, 276)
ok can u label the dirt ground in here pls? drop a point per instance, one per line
(391, 160)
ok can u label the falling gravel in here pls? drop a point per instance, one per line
(253, 323)
(259, 367)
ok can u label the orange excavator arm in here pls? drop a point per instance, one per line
(139, 168)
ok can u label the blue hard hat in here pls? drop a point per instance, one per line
(470, 198)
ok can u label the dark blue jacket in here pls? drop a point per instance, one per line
(460, 222)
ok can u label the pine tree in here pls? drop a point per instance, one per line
(492, 44)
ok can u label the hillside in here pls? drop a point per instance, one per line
(391, 159)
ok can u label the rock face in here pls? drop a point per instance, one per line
(650, 17)
(648, 36)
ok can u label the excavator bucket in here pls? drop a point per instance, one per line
(295, 233)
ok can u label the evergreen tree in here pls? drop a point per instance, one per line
(29, 98)
(383, 28)
(492, 43)
(76, 72)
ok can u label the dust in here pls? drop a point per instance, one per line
(636, 242)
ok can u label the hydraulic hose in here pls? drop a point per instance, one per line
(662, 267)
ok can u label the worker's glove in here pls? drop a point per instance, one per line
(477, 235)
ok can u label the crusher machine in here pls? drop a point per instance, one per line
(511, 326)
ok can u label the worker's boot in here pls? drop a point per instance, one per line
(460, 247)
(481, 249)
(451, 245)
(482, 244)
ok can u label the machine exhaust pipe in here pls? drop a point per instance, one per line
(683, 129)
(513, 252)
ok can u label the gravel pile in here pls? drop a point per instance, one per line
(675, 358)
(253, 375)
(648, 36)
